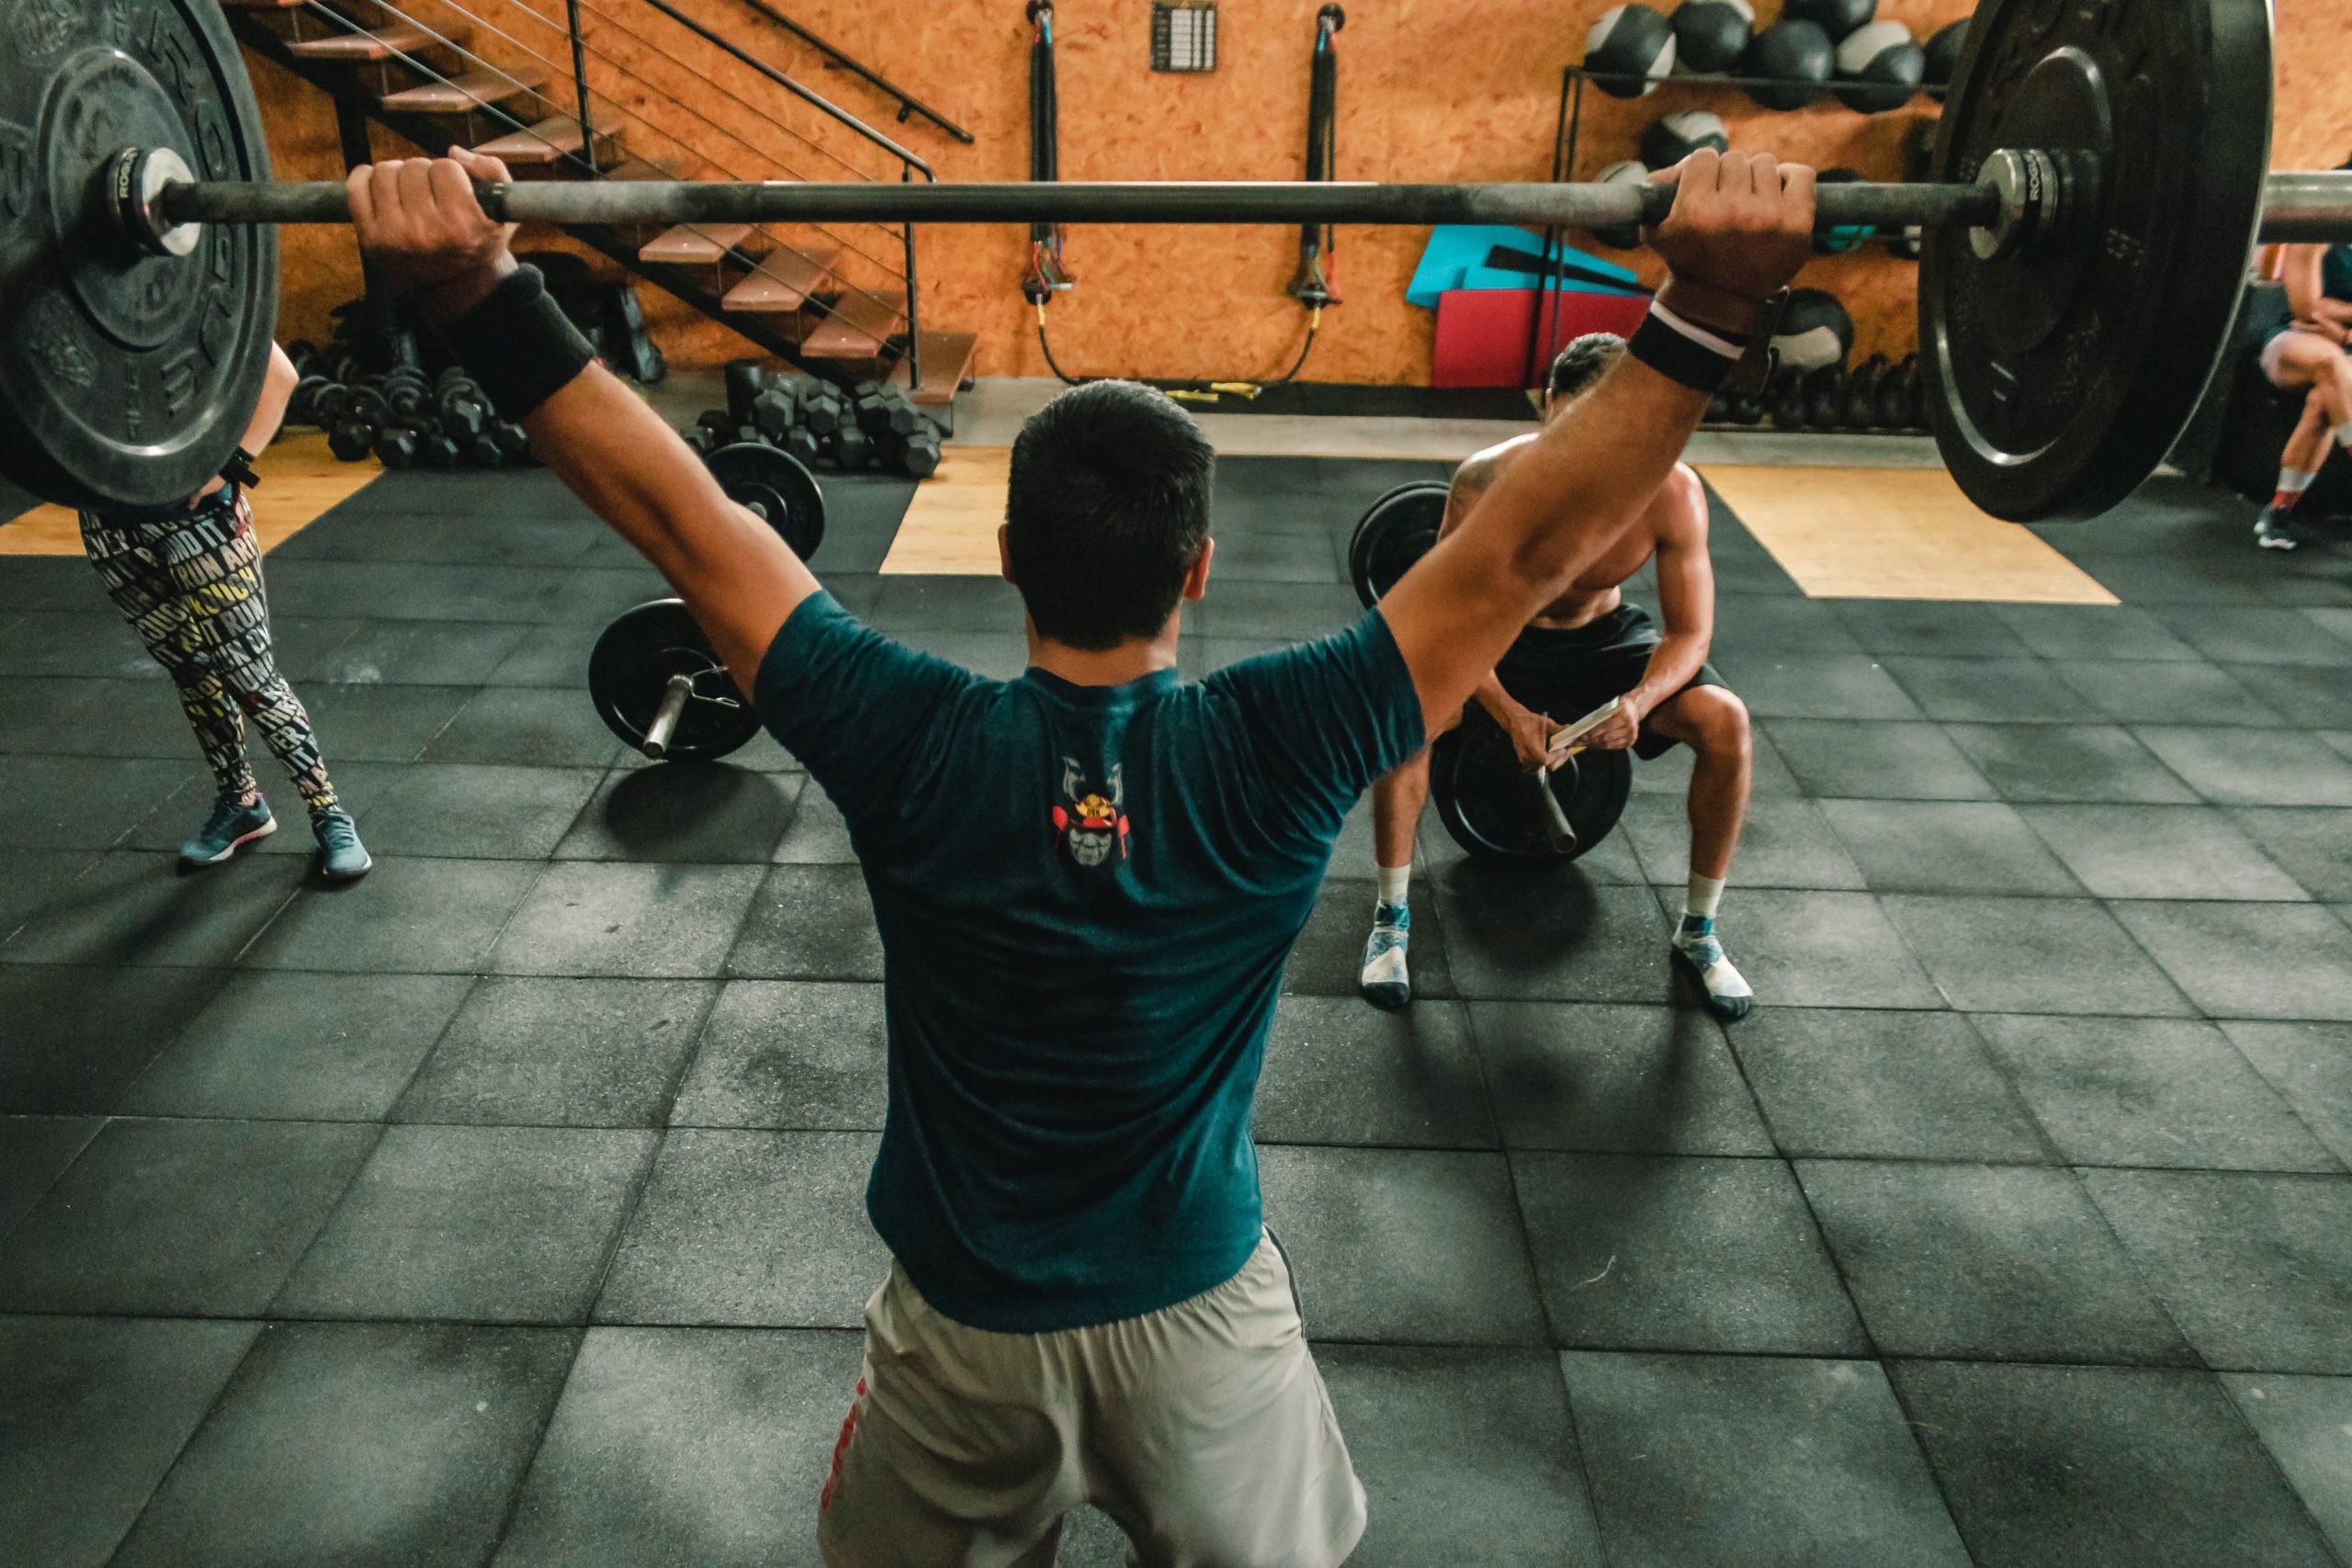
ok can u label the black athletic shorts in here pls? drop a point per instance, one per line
(1567, 674)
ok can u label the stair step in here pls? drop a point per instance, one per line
(692, 244)
(637, 169)
(859, 326)
(784, 281)
(463, 94)
(385, 43)
(550, 140)
(946, 358)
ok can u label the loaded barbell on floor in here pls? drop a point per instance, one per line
(2100, 179)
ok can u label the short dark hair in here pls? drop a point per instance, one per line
(1582, 363)
(1107, 510)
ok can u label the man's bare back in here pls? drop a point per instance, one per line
(1676, 515)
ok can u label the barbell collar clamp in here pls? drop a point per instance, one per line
(136, 178)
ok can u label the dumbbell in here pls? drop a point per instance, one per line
(1825, 397)
(801, 444)
(514, 442)
(821, 409)
(719, 423)
(406, 391)
(746, 381)
(853, 449)
(396, 446)
(484, 451)
(774, 412)
(462, 417)
(435, 450)
(350, 440)
(919, 454)
(701, 437)
(887, 414)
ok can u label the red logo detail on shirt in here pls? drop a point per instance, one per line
(1092, 822)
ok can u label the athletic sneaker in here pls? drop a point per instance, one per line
(2273, 532)
(1384, 981)
(1726, 991)
(340, 854)
(234, 824)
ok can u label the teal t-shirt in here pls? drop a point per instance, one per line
(1086, 895)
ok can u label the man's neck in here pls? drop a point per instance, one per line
(1109, 666)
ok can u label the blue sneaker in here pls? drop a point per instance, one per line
(234, 824)
(340, 854)
(1384, 982)
(1725, 987)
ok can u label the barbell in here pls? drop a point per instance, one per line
(2099, 181)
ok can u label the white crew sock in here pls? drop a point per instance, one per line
(1390, 882)
(1702, 896)
(2343, 434)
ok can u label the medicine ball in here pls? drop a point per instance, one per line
(1795, 52)
(1846, 237)
(1879, 68)
(1629, 41)
(1813, 333)
(1675, 136)
(1941, 58)
(1710, 35)
(1629, 173)
(1836, 18)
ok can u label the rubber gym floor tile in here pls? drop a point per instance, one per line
(93, 641)
(2250, 960)
(76, 803)
(1833, 685)
(520, 726)
(54, 584)
(2154, 581)
(761, 1230)
(95, 1411)
(184, 1218)
(368, 1445)
(73, 1040)
(2240, 767)
(857, 591)
(1637, 1252)
(1786, 842)
(379, 722)
(2306, 1424)
(2256, 1269)
(64, 714)
(1670, 774)
(1704, 1461)
(1402, 1246)
(1244, 608)
(420, 653)
(1943, 846)
(1770, 623)
(2092, 1467)
(358, 786)
(408, 916)
(300, 1047)
(1990, 690)
(549, 655)
(2066, 632)
(562, 1053)
(36, 876)
(2172, 692)
(1466, 1456)
(1853, 1084)
(2160, 851)
(2312, 844)
(805, 1054)
(1800, 949)
(2311, 1065)
(712, 812)
(1252, 474)
(1928, 626)
(1256, 556)
(522, 539)
(808, 922)
(480, 1224)
(1549, 936)
(2259, 637)
(946, 605)
(1985, 1262)
(2068, 762)
(123, 718)
(819, 834)
(1328, 958)
(688, 1445)
(2065, 955)
(2310, 696)
(588, 597)
(1841, 758)
(1338, 1071)
(626, 918)
(33, 1151)
(392, 591)
(2150, 1092)
(1614, 1079)
(475, 811)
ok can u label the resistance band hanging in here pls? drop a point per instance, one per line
(1047, 274)
(1317, 243)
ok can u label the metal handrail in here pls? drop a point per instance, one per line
(908, 103)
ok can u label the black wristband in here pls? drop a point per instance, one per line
(1685, 355)
(517, 345)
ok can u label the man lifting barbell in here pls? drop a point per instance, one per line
(1584, 647)
(1087, 881)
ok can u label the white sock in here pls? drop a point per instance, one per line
(1702, 896)
(2343, 434)
(1391, 882)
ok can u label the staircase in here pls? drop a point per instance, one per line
(638, 89)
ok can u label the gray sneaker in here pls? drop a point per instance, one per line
(340, 854)
(233, 825)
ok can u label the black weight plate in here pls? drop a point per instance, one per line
(1393, 533)
(778, 487)
(630, 670)
(1483, 797)
(125, 379)
(2061, 375)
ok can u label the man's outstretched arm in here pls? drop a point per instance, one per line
(419, 217)
(1740, 228)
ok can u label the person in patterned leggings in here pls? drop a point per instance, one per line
(188, 581)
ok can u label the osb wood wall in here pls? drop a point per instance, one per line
(1428, 90)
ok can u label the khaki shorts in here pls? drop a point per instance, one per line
(1202, 1429)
